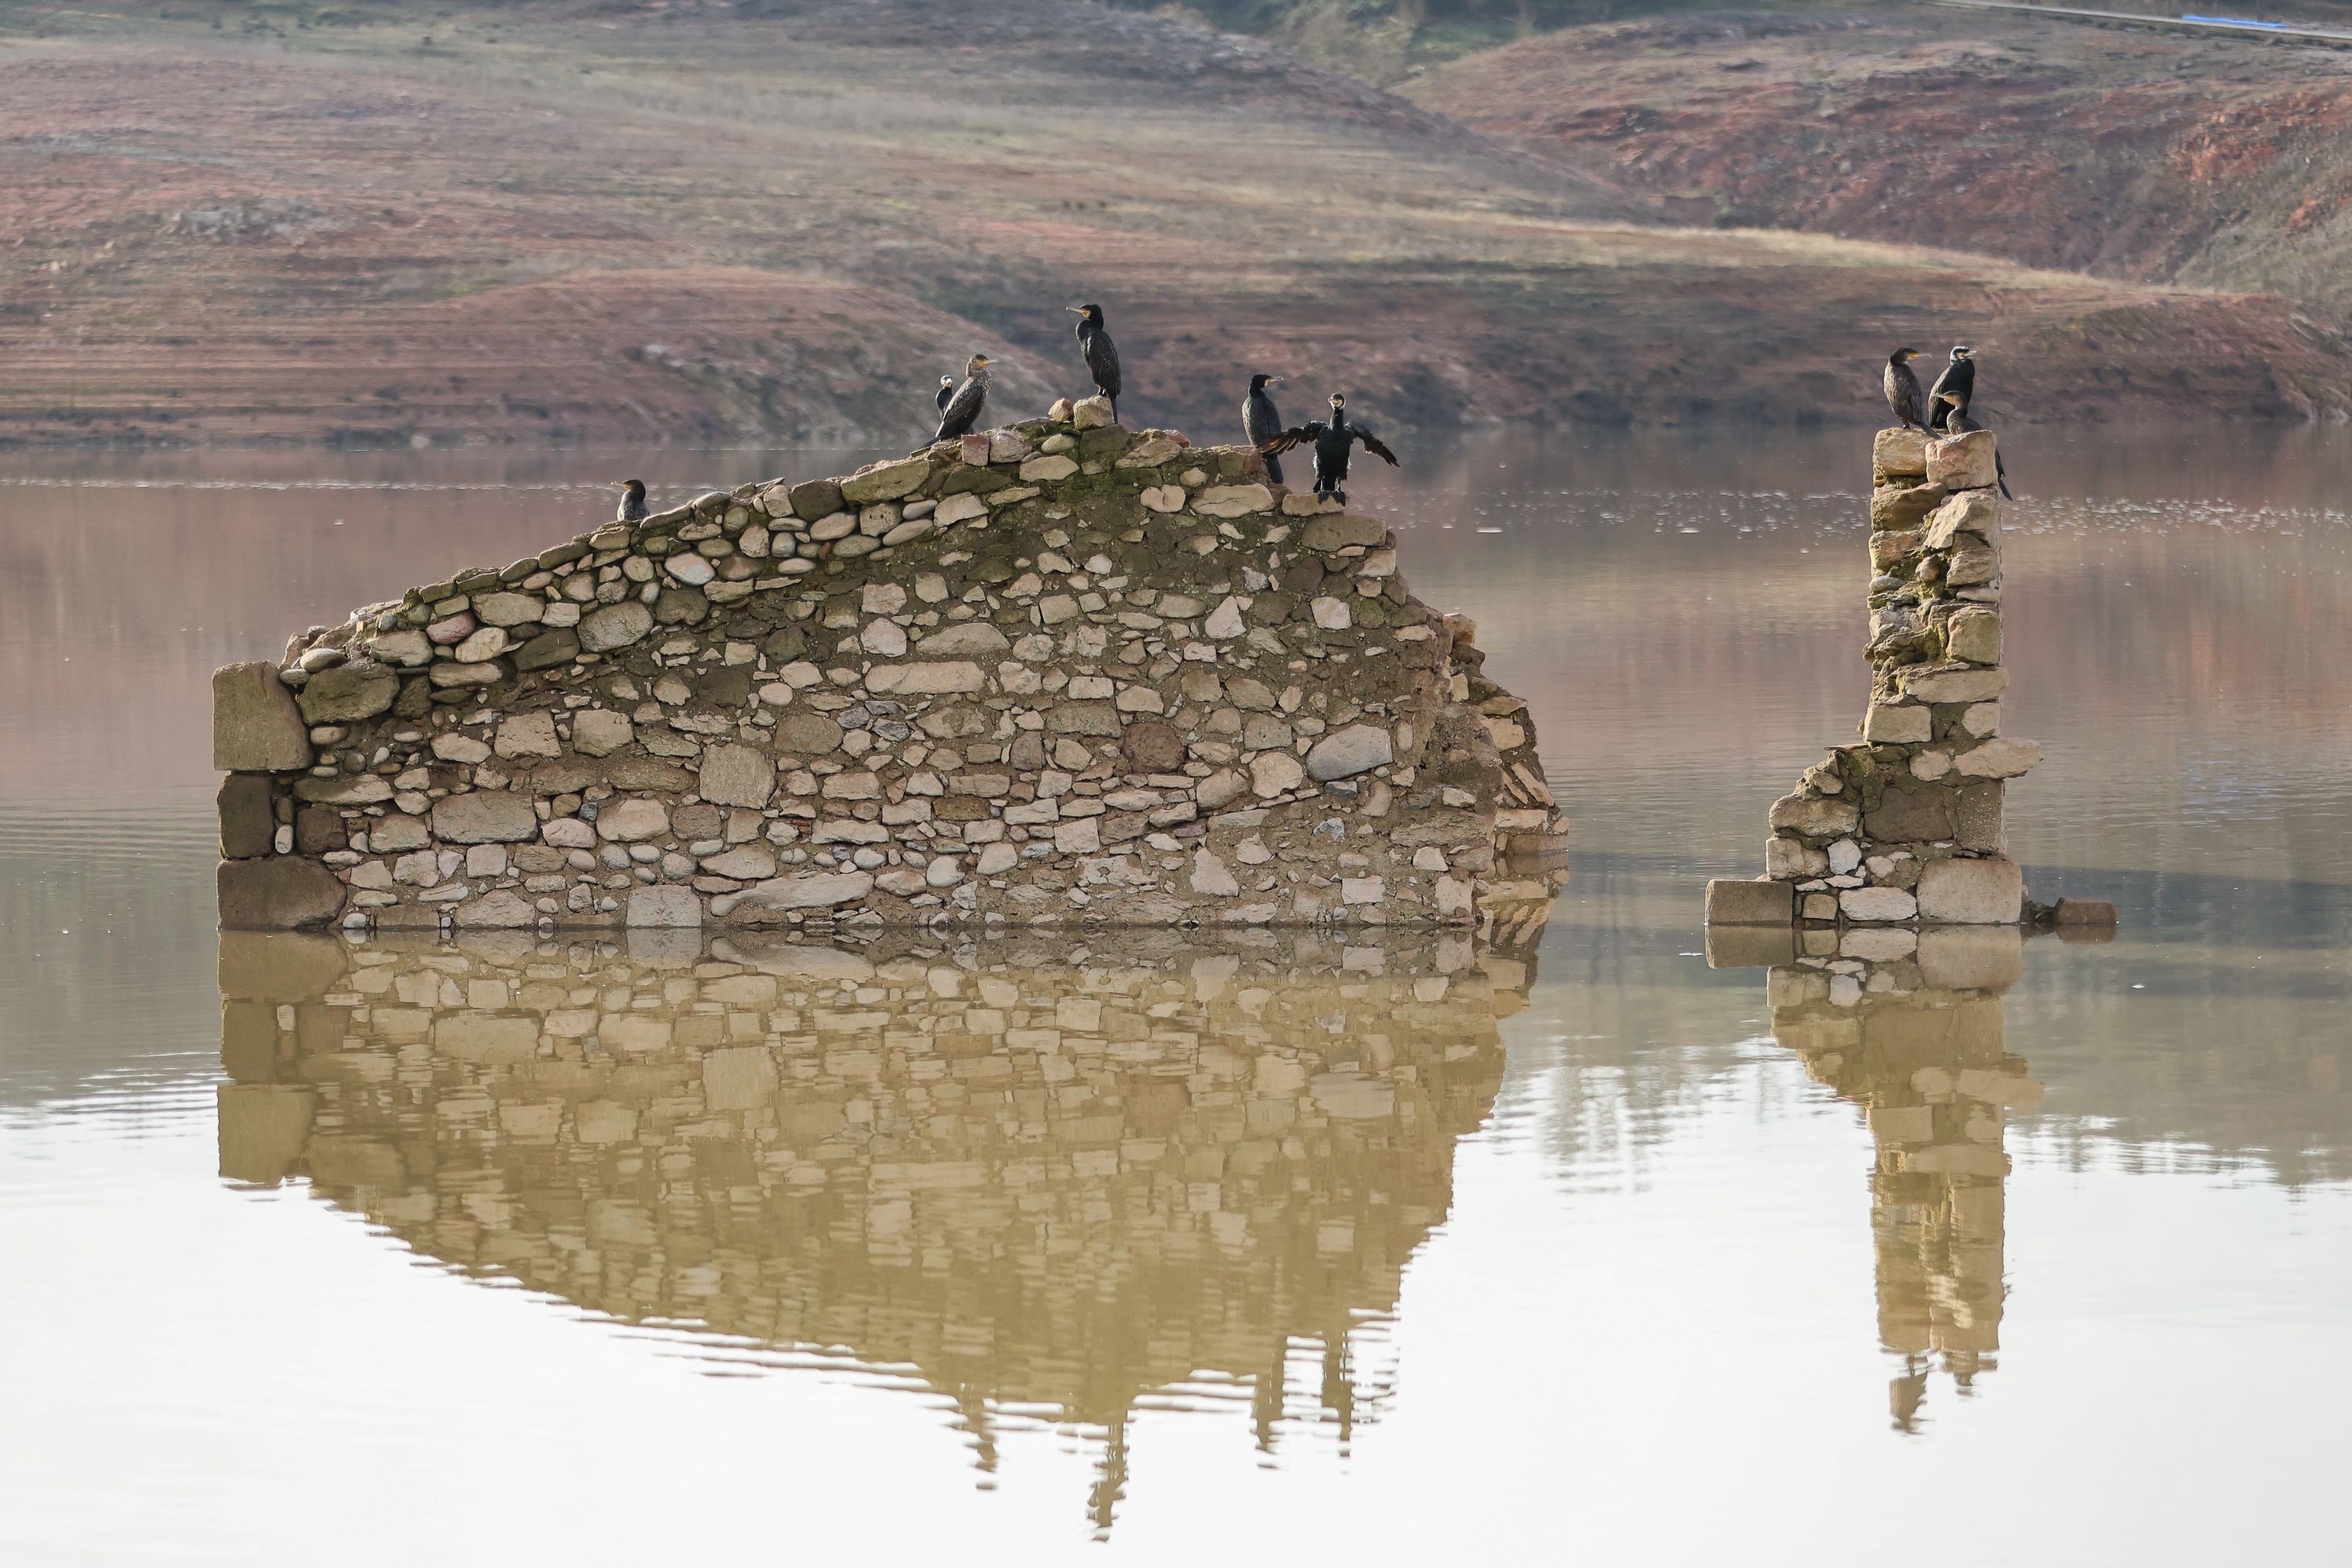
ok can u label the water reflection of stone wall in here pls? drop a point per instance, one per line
(1913, 1034)
(1055, 1179)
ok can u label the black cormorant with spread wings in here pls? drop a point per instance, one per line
(961, 411)
(1960, 376)
(1261, 423)
(1100, 352)
(1954, 409)
(1903, 395)
(633, 502)
(946, 390)
(1333, 438)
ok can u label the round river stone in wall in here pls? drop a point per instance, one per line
(358, 689)
(1358, 748)
(615, 626)
(1152, 748)
(807, 734)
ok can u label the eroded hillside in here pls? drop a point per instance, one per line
(598, 220)
(2213, 161)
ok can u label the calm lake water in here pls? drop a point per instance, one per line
(1141, 1251)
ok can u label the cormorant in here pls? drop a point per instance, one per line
(1903, 390)
(633, 502)
(1957, 422)
(961, 411)
(946, 390)
(1332, 440)
(1260, 423)
(1100, 352)
(1960, 376)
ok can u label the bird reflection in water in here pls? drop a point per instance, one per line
(1908, 1027)
(1055, 1183)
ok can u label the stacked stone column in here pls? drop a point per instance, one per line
(1905, 825)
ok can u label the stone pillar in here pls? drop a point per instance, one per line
(1905, 825)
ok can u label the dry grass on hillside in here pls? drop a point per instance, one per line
(2154, 157)
(776, 220)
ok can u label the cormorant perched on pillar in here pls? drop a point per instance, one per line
(1100, 352)
(946, 390)
(1260, 423)
(633, 502)
(1332, 440)
(961, 411)
(1956, 422)
(1903, 390)
(1960, 376)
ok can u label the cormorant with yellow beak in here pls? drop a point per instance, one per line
(961, 411)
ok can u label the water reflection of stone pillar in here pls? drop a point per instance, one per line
(1055, 1180)
(1914, 1036)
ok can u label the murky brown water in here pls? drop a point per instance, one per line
(1145, 1250)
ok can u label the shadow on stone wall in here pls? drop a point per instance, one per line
(1049, 1180)
(1910, 1029)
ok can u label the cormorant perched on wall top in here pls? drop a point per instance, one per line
(946, 390)
(1260, 423)
(1960, 376)
(1957, 422)
(961, 411)
(633, 502)
(1903, 394)
(1332, 440)
(1100, 352)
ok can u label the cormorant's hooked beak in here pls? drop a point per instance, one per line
(1075, 309)
(1275, 380)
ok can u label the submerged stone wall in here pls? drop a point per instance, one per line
(1906, 825)
(1054, 673)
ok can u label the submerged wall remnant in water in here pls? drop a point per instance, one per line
(1054, 673)
(1905, 825)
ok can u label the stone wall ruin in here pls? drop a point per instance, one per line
(1060, 672)
(1905, 825)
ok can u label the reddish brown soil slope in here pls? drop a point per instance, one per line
(2127, 153)
(738, 222)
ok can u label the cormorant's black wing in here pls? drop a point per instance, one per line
(1296, 437)
(1372, 444)
(1958, 377)
(962, 409)
(1902, 395)
(1260, 422)
(1102, 364)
